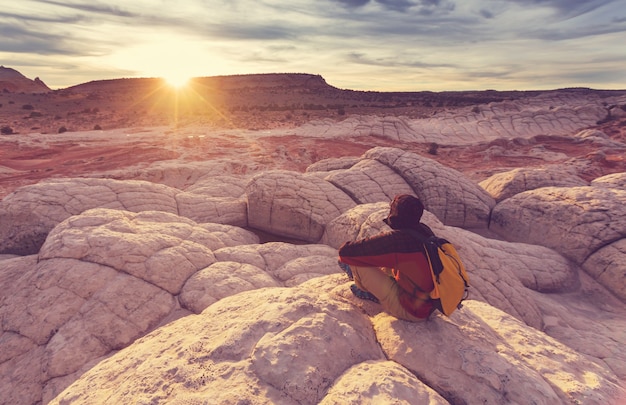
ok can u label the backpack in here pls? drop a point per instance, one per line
(448, 272)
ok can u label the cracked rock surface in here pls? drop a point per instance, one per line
(179, 281)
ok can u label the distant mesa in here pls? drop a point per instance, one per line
(260, 82)
(13, 81)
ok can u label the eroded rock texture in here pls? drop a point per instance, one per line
(585, 224)
(504, 185)
(105, 279)
(129, 291)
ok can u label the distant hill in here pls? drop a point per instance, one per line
(251, 101)
(13, 81)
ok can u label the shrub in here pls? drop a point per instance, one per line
(97, 128)
(6, 130)
(62, 129)
(432, 148)
(27, 107)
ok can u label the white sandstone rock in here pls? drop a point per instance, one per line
(369, 181)
(504, 185)
(287, 263)
(513, 362)
(453, 198)
(294, 205)
(29, 213)
(577, 222)
(615, 180)
(266, 346)
(223, 210)
(220, 280)
(328, 165)
(157, 247)
(574, 221)
(357, 223)
(607, 265)
(384, 382)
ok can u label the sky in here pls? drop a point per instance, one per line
(381, 45)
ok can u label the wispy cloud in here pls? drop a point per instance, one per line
(23, 18)
(396, 61)
(18, 39)
(92, 7)
(567, 8)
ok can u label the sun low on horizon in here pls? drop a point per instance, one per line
(177, 80)
(175, 59)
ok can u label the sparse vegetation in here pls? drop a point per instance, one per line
(432, 148)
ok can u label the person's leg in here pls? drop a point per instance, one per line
(346, 269)
(378, 282)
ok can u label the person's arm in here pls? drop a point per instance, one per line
(375, 251)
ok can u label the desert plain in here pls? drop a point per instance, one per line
(162, 245)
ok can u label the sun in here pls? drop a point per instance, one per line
(177, 81)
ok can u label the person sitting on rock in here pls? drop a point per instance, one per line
(373, 262)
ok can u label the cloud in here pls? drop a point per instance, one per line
(91, 7)
(397, 5)
(17, 39)
(424, 7)
(486, 13)
(32, 18)
(562, 34)
(54, 28)
(567, 8)
(396, 61)
(352, 3)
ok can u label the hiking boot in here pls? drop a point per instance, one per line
(364, 295)
(346, 269)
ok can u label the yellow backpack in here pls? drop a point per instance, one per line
(449, 275)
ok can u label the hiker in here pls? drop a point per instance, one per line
(373, 262)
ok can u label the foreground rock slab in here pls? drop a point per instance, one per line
(306, 346)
